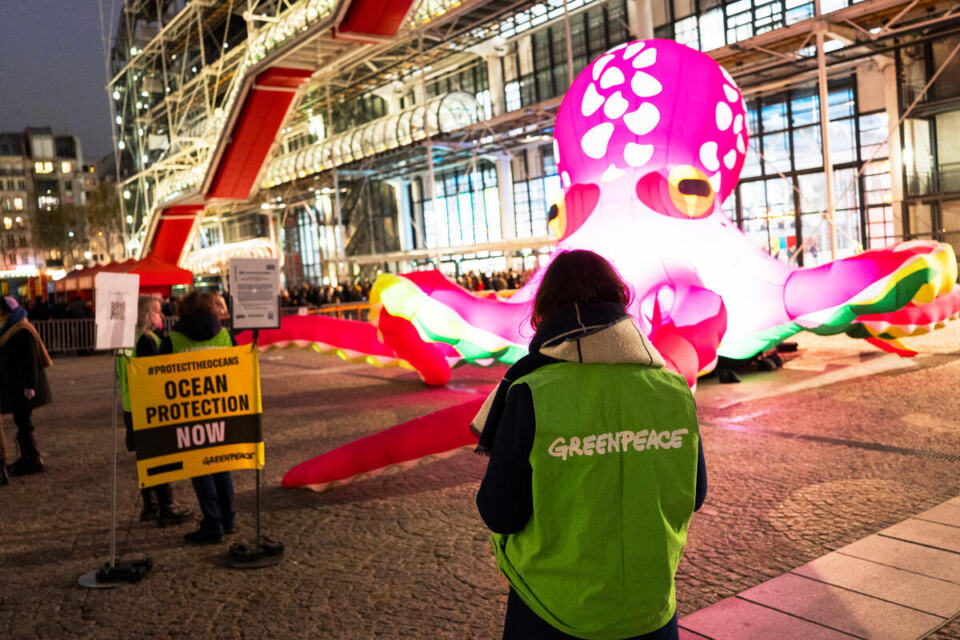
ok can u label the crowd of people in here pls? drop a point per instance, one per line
(498, 281)
(311, 295)
(40, 309)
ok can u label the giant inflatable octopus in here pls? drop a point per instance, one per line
(650, 140)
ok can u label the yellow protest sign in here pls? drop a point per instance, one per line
(195, 413)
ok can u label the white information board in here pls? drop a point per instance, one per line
(116, 309)
(255, 293)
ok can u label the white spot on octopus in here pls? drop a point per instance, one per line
(600, 64)
(729, 159)
(592, 101)
(594, 143)
(643, 120)
(646, 59)
(637, 155)
(645, 85)
(708, 156)
(615, 106)
(724, 116)
(611, 174)
(632, 50)
(611, 77)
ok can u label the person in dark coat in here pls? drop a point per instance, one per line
(199, 328)
(4, 477)
(23, 360)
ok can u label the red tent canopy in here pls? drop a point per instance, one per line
(155, 272)
(156, 276)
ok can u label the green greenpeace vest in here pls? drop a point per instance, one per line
(614, 462)
(123, 356)
(181, 342)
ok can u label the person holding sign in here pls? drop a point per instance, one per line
(158, 499)
(199, 328)
(23, 360)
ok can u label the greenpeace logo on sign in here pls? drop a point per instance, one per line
(619, 442)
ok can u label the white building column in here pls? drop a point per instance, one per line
(404, 218)
(495, 78)
(892, 107)
(640, 18)
(508, 221)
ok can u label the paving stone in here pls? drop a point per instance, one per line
(936, 563)
(946, 513)
(937, 597)
(736, 619)
(932, 534)
(841, 609)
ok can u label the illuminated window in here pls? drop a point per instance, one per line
(18, 204)
(43, 167)
(7, 222)
(66, 167)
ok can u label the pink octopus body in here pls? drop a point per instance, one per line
(651, 139)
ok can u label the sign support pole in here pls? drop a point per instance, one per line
(265, 552)
(256, 337)
(113, 437)
(115, 573)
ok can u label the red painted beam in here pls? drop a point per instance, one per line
(374, 17)
(173, 231)
(261, 115)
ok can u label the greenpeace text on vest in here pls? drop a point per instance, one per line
(620, 442)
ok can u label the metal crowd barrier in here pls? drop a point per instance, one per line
(345, 311)
(78, 335)
(67, 334)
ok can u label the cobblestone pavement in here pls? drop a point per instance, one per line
(842, 442)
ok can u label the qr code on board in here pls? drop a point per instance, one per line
(117, 310)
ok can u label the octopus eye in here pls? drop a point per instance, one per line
(557, 221)
(685, 193)
(694, 187)
(568, 215)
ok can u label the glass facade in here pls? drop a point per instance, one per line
(710, 24)
(309, 238)
(466, 207)
(535, 68)
(536, 186)
(781, 200)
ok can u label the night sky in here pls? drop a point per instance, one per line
(51, 69)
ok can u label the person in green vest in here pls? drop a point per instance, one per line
(595, 467)
(198, 327)
(157, 500)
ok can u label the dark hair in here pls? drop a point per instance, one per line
(4, 307)
(577, 277)
(197, 302)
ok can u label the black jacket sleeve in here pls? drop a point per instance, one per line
(146, 346)
(701, 475)
(505, 498)
(166, 346)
